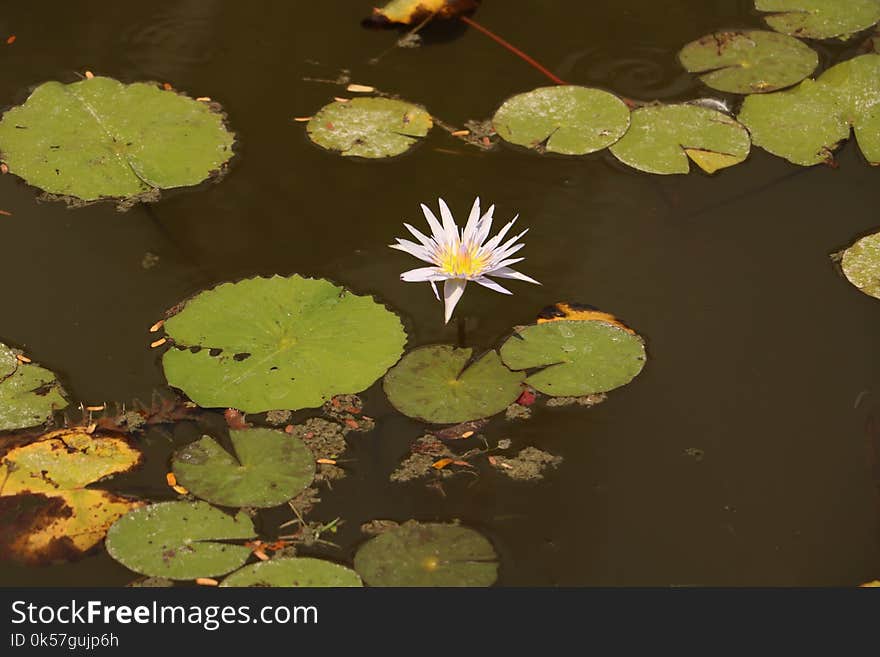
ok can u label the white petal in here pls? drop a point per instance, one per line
(507, 263)
(470, 227)
(453, 289)
(413, 249)
(492, 285)
(450, 230)
(503, 254)
(507, 272)
(485, 225)
(436, 228)
(495, 241)
(421, 237)
(434, 287)
(422, 274)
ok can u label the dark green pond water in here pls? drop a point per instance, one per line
(758, 349)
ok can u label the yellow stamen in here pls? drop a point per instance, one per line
(462, 262)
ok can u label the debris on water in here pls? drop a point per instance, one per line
(587, 400)
(376, 527)
(326, 440)
(410, 40)
(505, 443)
(277, 418)
(528, 465)
(235, 419)
(695, 453)
(462, 430)
(149, 260)
(305, 501)
(426, 451)
(518, 412)
(348, 410)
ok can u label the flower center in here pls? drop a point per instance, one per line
(461, 262)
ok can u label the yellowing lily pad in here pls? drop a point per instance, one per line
(564, 119)
(268, 468)
(752, 61)
(279, 343)
(369, 127)
(46, 513)
(413, 12)
(439, 384)
(662, 139)
(575, 358)
(861, 264)
(99, 138)
(427, 554)
(820, 19)
(28, 393)
(298, 572)
(180, 540)
(805, 124)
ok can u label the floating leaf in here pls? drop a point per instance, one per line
(752, 61)
(28, 393)
(577, 311)
(436, 384)
(805, 124)
(427, 554)
(563, 119)
(46, 513)
(99, 138)
(413, 12)
(820, 19)
(369, 127)
(269, 467)
(179, 540)
(299, 572)
(663, 137)
(279, 343)
(577, 358)
(861, 264)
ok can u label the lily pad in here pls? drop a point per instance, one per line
(820, 19)
(180, 540)
(746, 62)
(279, 343)
(299, 572)
(99, 138)
(269, 467)
(436, 384)
(46, 513)
(369, 127)
(28, 393)
(663, 137)
(427, 554)
(576, 357)
(805, 124)
(563, 119)
(861, 264)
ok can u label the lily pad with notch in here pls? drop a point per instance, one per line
(751, 61)
(428, 554)
(369, 127)
(568, 119)
(861, 264)
(99, 138)
(440, 384)
(663, 138)
(279, 343)
(575, 358)
(295, 572)
(180, 540)
(268, 468)
(29, 394)
(820, 19)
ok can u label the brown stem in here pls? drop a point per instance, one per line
(516, 51)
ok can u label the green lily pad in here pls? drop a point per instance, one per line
(577, 357)
(662, 138)
(28, 393)
(564, 119)
(752, 61)
(179, 540)
(99, 138)
(436, 384)
(427, 554)
(269, 468)
(302, 571)
(279, 343)
(820, 19)
(369, 127)
(805, 124)
(861, 264)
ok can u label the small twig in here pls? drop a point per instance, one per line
(413, 31)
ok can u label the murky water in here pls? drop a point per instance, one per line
(758, 348)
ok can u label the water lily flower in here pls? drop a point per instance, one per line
(458, 257)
